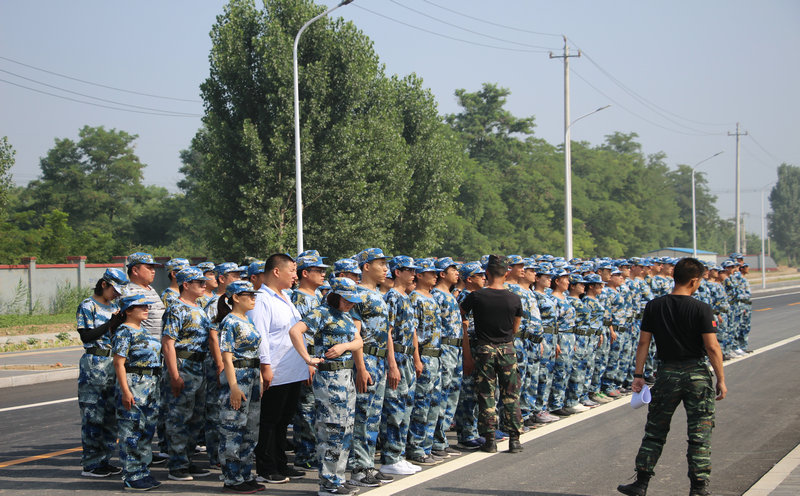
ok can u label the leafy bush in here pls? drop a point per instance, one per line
(68, 298)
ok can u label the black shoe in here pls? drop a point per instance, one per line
(273, 479)
(292, 473)
(113, 470)
(101, 471)
(530, 421)
(514, 446)
(364, 478)
(196, 471)
(699, 488)
(561, 412)
(255, 485)
(380, 476)
(243, 488)
(180, 474)
(649, 380)
(157, 460)
(490, 446)
(637, 487)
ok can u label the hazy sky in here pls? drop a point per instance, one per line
(680, 74)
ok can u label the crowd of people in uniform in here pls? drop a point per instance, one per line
(367, 355)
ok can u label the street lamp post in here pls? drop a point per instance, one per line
(298, 187)
(694, 208)
(568, 183)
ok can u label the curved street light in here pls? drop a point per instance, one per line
(298, 187)
(694, 209)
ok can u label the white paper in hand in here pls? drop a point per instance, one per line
(641, 398)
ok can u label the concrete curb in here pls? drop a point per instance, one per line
(772, 290)
(29, 379)
(775, 477)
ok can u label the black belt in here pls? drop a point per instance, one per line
(549, 330)
(310, 349)
(536, 338)
(568, 331)
(405, 350)
(334, 366)
(143, 370)
(520, 334)
(692, 362)
(195, 356)
(452, 341)
(373, 350)
(247, 363)
(98, 352)
(583, 332)
(430, 352)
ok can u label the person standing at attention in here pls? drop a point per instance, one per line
(685, 333)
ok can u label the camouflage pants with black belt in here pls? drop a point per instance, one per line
(496, 367)
(689, 382)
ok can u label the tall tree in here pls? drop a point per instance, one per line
(784, 200)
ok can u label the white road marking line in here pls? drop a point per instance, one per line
(776, 475)
(34, 405)
(468, 459)
(774, 296)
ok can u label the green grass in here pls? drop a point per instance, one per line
(12, 320)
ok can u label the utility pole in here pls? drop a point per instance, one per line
(738, 193)
(567, 153)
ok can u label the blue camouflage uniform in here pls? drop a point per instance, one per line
(238, 429)
(373, 312)
(563, 362)
(334, 392)
(96, 382)
(548, 310)
(451, 359)
(305, 450)
(427, 394)
(188, 326)
(135, 427)
(398, 403)
(617, 305)
(582, 353)
(596, 329)
(466, 416)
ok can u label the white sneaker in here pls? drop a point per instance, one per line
(577, 409)
(397, 468)
(740, 352)
(411, 466)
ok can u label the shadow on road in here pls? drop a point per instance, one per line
(499, 492)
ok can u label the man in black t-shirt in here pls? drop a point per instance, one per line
(685, 333)
(497, 313)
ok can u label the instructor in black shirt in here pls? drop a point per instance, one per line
(497, 313)
(685, 333)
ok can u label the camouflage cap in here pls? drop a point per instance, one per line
(592, 279)
(368, 255)
(426, 265)
(308, 261)
(470, 269)
(176, 264)
(576, 278)
(346, 265)
(116, 278)
(256, 267)
(133, 300)
(514, 260)
(443, 263)
(141, 258)
(237, 287)
(190, 274)
(313, 253)
(206, 266)
(227, 267)
(346, 288)
(402, 262)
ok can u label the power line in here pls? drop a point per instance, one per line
(96, 104)
(98, 84)
(180, 114)
(626, 109)
(466, 29)
(446, 36)
(490, 22)
(773, 157)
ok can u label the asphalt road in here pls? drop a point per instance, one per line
(757, 425)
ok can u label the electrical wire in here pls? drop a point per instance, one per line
(98, 84)
(773, 157)
(447, 36)
(178, 114)
(520, 30)
(467, 29)
(97, 104)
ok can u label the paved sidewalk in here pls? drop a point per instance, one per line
(19, 368)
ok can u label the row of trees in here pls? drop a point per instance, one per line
(381, 167)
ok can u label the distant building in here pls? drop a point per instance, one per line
(705, 256)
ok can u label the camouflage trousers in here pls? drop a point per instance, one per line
(497, 369)
(135, 427)
(396, 413)
(592, 349)
(305, 441)
(600, 362)
(650, 363)
(547, 362)
(427, 402)
(630, 356)
(467, 409)
(335, 400)
(451, 368)
(580, 365)
(612, 377)
(212, 411)
(724, 333)
(562, 370)
(96, 382)
(689, 382)
(185, 414)
(368, 415)
(528, 390)
(238, 429)
(743, 330)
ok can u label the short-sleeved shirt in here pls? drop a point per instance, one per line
(583, 313)
(91, 314)
(209, 304)
(330, 326)
(169, 297)
(188, 326)
(401, 317)
(566, 315)
(617, 306)
(426, 311)
(139, 347)
(449, 313)
(154, 322)
(494, 311)
(548, 309)
(373, 313)
(304, 303)
(239, 336)
(470, 319)
(678, 323)
(596, 313)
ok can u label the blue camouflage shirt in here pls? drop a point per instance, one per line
(470, 320)
(401, 318)
(304, 304)
(239, 336)
(597, 314)
(188, 326)
(91, 314)
(426, 311)
(139, 347)
(449, 313)
(170, 296)
(582, 313)
(373, 313)
(566, 315)
(548, 309)
(330, 327)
